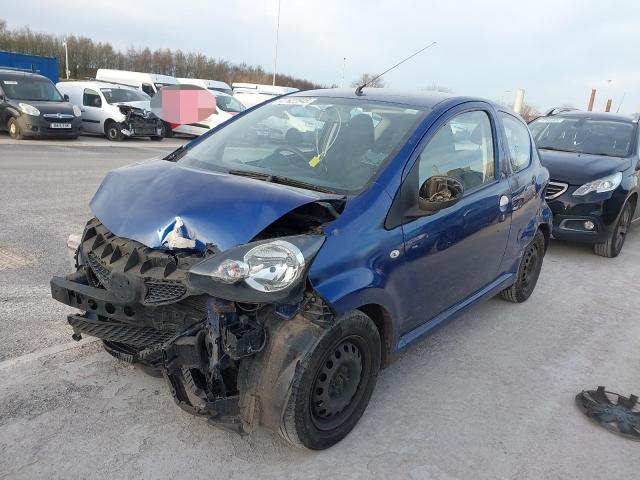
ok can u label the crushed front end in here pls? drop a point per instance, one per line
(227, 352)
(139, 122)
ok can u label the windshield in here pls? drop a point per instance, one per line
(31, 88)
(583, 135)
(228, 104)
(118, 95)
(339, 149)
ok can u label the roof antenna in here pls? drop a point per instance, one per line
(359, 89)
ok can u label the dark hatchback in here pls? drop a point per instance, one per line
(32, 106)
(594, 163)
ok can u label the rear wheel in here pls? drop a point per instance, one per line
(112, 131)
(332, 387)
(613, 245)
(528, 271)
(14, 129)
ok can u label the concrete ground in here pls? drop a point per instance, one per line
(490, 395)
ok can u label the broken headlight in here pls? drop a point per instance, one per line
(263, 271)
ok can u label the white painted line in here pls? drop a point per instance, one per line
(45, 352)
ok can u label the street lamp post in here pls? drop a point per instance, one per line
(344, 67)
(66, 58)
(275, 58)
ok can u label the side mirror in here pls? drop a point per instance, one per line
(439, 192)
(66, 97)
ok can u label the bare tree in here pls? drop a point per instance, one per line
(370, 80)
(86, 56)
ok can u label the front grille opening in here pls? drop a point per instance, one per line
(555, 189)
(163, 291)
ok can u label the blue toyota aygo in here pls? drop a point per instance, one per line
(268, 274)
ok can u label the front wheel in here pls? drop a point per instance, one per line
(333, 385)
(613, 245)
(112, 131)
(528, 271)
(14, 129)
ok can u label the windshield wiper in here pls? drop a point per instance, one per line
(176, 154)
(281, 180)
(557, 149)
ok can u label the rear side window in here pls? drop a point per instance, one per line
(519, 142)
(91, 98)
(148, 89)
(462, 149)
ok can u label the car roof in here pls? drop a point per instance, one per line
(416, 98)
(595, 116)
(11, 74)
(96, 84)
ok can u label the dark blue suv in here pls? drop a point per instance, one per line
(594, 163)
(270, 279)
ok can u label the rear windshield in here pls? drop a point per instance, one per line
(118, 95)
(228, 91)
(228, 104)
(30, 88)
(612, 138)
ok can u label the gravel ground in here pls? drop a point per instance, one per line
(490, 395)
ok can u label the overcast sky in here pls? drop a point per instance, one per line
(556, 50)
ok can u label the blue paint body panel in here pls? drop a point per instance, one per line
(445, 262)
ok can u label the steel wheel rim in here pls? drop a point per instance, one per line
(338, 385)
(12, 129)
(529, 265)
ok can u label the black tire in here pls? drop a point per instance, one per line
(528, 271)
(613, 246)
(339, 375)
(112, 131)
(168, 132)
(14, 129)
(156, 138)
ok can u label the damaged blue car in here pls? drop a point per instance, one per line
(270, 278)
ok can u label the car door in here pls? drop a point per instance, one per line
(456, 252)
(4, 117)
(523, 178)
(92, 114)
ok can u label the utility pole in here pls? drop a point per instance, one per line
(517, 104)
(344, 66)
(592, 99)
(66, 57)
(621, 101)
(275, 59)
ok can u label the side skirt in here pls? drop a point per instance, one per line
(499, 284)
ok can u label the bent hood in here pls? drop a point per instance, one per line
(580, 168)
(148, 201)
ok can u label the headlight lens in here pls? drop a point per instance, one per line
(28, 109)
(76, 111)
(601, 185)
(268, 267)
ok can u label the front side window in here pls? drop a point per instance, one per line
(148, 89)
(332, 150)
(119, 95)
(91, 98)
(611, 138)
(31, 88)
(229, 104)
(462, 148)
(519, 142)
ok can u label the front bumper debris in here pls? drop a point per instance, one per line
(213, 353)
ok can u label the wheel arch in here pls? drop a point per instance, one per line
(384, 323)
(546, 231)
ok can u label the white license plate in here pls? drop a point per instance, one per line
(60, 125)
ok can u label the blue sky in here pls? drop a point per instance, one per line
(555, 50)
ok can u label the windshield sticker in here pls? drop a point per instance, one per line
(9, 82)
(550, 120)
(295, 101)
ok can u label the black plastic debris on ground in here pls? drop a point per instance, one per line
(612, 411)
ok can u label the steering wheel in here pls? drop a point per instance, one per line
(291, 149)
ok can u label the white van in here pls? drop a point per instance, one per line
(149, 83)
(226, 106)
(250, 94)
(212, 85)
(114, 110)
